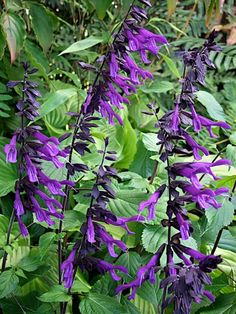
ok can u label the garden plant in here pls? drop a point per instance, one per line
(117, 157)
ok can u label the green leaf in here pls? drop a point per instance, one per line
(224, 304)
(153, 237)
(56, 99)
(45, 242)
(8, 283)
(126, 202)
(142, 164)
(132, 261)
(150, 142)
(151, 293)
(214, 109)
(101, 304)
(101, 7)
(14, 29)
(130, 307)
(83, 44)
(30, 262)
(231, 154)
(144, 306)
(8, 175)
(2, 44)
(218, 218)
(157, 87)
(171, 65)
(56, 293)
(42, 25)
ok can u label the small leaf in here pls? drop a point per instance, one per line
(214, 109)
(153, 237)
(55, 294)
(101, 304)
(42, 25)
(101, 7)
(83, 44)
(171, 65)
(14, 29)
(231, 154)
(157, 87)
(8, 283)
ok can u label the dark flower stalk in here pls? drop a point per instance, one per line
(35, 191)
(117, 77)
(185, 281)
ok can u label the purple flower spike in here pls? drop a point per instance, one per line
(31, 170)
(122, 222)
(22, 227)
(174, 125)
(195, 146)
(207, 123)
(11, 150)
(110, 242)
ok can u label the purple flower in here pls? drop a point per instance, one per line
(196, 119)
(18, 206)
(144, 273)
(110, 242)
(104, 266)
(113, 64)
(90, 231)
(204, 197)
(174, 125)
(122, 222)
(195, 146)
(184, 226)
(11, 150)
(22, 227)
(209, 124)
(31, 169)
(107, 112)
(151, 203)
(67, 268)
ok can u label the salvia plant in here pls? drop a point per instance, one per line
(184, 270)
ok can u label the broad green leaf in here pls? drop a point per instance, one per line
(42, 25)
(9, 174)
(105, 286)
(142, 164)
(171, 65)
(231, 153)
(224, 304)
(153, 237)
(101, 304)
(151, 293)
(130, 307)
(14, 29)
(150, 141)
(214, 109)
(30, 262)
(132, 261)
(45, 242)
(232, 138)
(101, 6)
(8, 283)
(126, 202)
(144, 306)
(83, 44)
(157, 87)
(56, 99)
(218, 218)
(56, 293)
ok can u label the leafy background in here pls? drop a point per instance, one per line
(55, 36)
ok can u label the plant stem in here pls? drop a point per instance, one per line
(4, 260)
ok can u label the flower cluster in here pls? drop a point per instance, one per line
(121, 76)
(185, 280)
(29, 147)
(94, 234)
